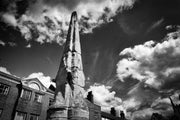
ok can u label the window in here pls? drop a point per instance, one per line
(37, 97)
(50, 101)
(4, 89)
(26, 94)
(20, 116)
(1, 112)
(34, 86)
(34, 117)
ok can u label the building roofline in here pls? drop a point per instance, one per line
(50, 91)
(35, 79)
(10, 76)
(47, 90)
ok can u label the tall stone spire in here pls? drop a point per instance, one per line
(71, 59)
(70, 81)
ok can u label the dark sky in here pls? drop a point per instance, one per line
(142, 76)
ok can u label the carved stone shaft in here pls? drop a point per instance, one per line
(69, 103)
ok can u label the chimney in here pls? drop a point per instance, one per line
(122, 115)
(90, 97)
(113, 111)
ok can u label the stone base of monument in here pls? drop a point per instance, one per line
(67, 113)
(78, 114)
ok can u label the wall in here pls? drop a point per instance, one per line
(8, 102)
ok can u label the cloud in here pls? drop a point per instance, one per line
(139, 96)
(152, 63)
(9, 19)
(172, 27)
(12, 44)
(2, 43)
(48, 21)
(28, 46)
(25, 31)
(46, 80)
(131, 103)
(3, 69)
(160, 105)
(141, 110)
(105, 98)
(126, 27)
(164, 102)
(155, 25)
(157, 68)
(144, 114)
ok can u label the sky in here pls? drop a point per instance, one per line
(130, 48)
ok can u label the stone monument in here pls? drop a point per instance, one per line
(69, 102)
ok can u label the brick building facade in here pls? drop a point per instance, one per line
(23, 99)
(10, 88)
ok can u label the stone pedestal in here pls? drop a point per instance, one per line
(57, 113)
(78, 114)
(67, 113)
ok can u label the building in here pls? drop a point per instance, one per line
(10, 90)
(23, 99)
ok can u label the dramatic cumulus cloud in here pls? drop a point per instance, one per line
(157, 68)
(3, 69)
(46, 80)
(154, 63)
(47, 21)
(105, 98)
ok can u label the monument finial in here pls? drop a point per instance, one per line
(74, 13)
(73, 39)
